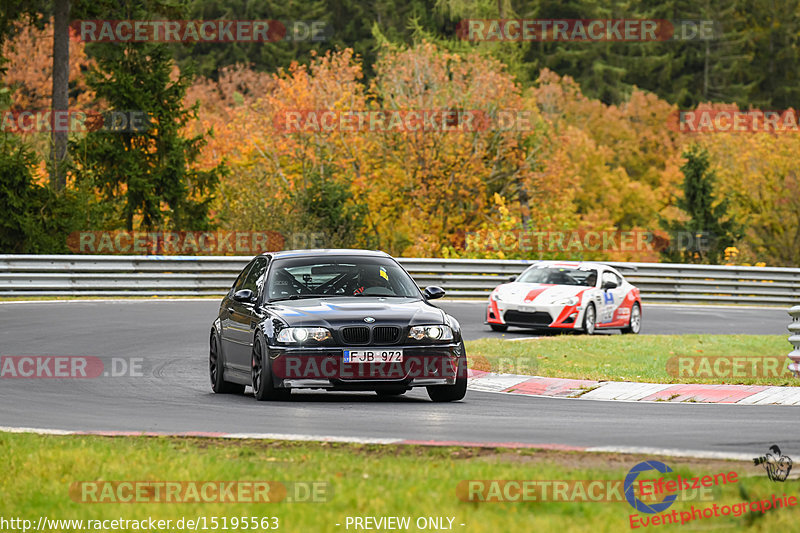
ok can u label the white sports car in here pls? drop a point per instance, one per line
(566, 295)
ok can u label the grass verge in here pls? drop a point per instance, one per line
(362, 480)
(748, 359)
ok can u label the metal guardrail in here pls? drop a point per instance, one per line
(107, 275)
(794, 338)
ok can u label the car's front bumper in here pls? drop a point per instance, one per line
(534, 315)
(324, 368)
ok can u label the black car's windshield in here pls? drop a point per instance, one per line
(308, 277)
(560, 276)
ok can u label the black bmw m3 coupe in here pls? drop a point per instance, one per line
(350, 320)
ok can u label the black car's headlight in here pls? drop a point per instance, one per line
(301, 335)
(434, 333)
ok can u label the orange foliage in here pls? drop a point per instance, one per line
(578, 165)
(30, 68)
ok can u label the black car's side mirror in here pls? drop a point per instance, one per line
(432, 293)
(512, 278)
(244, 295)
(608, 284)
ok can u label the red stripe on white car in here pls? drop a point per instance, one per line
(533, 293)
(493, 310)
(568, 310)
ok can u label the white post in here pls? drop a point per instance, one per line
(794, 338)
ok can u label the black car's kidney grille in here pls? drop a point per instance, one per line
(385, 334)
(356, 335)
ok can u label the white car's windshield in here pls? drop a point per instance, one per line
(560, 276)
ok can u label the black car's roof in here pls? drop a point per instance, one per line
(326, 251)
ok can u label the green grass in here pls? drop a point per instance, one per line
(636, 357)
(363, 480)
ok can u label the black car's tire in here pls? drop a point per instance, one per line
(261, 373)
(457, 391)
(216, 370)
(498, 327)
(590, 319)
(635, 321)
(386, 393)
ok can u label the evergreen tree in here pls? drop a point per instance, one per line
(708, 229)
(35, 220)
(146, 177)
(771, 44)
(328, 207)
(295, 16)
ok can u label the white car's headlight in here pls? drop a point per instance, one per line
(572, 300)
(436, 333)
(496, 296)
(301, 335)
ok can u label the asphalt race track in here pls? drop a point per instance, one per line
(656, 319)
(172, 394)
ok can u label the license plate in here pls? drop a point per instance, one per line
(527, 309)
(373, 356)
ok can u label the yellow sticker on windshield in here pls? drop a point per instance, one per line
(384, 275)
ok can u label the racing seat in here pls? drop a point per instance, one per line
(283, 285)
(370, 281)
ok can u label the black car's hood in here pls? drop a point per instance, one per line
(337, 312)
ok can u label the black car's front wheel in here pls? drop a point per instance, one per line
(261, 373)
(456, 391)
(216, 370)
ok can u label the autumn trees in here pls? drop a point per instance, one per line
(576, 165)
(236, 151)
